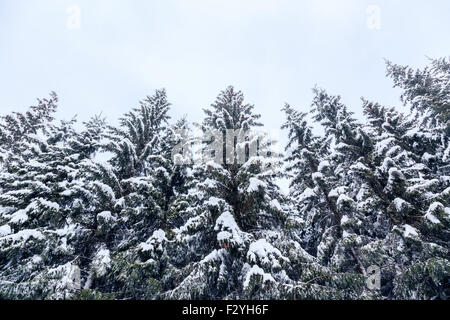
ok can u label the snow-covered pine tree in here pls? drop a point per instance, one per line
(51, 235)
(172, 177)
(406, 173)
(427, 188)
(151, 191)
(386, 187)
(348, 145)
(320, 198)
(19, 129)
(425, 91)
(233, 244)
(304, 151)
(365, 194)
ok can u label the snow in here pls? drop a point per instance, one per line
(144, 246)
(224, 236)
(63, 247)
(306, 194)
(19, 217)
(417, 132)
(49, 204)
(393, 174)
(393, 151)
(409, 231)
(66, 193)
(5, 230)
(446, 192)
(229, 230)
(154, 242)
(106, 215)
(359, 167)
(400, 204)
(426, 157)
(323, 165)
(36, 164)
(69, 228)
(160, 235)
(190, 224)
(255, 270)
(317, 175)
(430, 217)
(382, 145)
(107, 190)
(214, 165)
(23, 236)
(120, 202)
(275, 204)
(343, 199)
(14, 194)
(334, 193)
(210, 183)
(344, 219)
(36, 259)
(163, 171)
(255, 184)
(361, 193)
(213, 201)
(341, 145)
(265, 252)
(102, 261)
(213, 256)
(435, 206)
(425, 185)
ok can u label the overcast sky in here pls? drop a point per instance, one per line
(274, 51)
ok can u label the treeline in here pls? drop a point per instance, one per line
(367, 216)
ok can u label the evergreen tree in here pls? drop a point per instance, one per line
(18, 129)
(51, 222)
(233, 243)
(383, 179)
(151, 191)
(175, 215)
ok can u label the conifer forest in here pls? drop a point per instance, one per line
(158, 208)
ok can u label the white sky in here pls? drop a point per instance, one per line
(275, 51)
